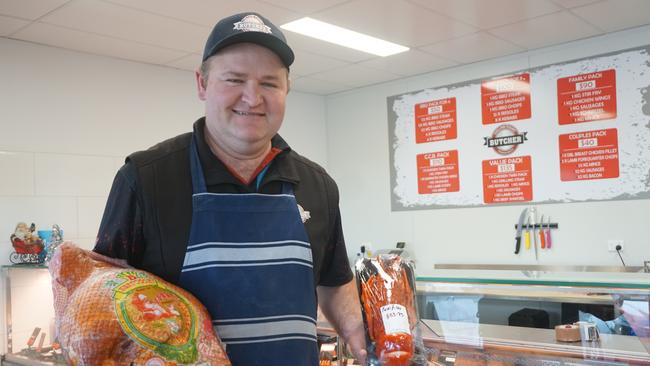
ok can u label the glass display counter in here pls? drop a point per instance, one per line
(509, 317)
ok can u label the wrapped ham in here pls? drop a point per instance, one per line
(111, 314)
(386, 288)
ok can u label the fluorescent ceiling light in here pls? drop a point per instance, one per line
(343, 37)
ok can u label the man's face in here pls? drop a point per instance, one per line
(244, 97)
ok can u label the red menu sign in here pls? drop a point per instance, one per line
(438, 172)
(589, 155)
(435, 120)
(587, 97)
(506, 99)
(507, 180)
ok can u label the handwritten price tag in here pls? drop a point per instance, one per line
(395, 319)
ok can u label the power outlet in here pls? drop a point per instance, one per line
(611, 245)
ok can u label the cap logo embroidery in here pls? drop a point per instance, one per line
(252, 23)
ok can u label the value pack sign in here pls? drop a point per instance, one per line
(507, 180)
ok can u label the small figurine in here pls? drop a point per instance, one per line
(55, 240)
(57, 234)
(26, 243)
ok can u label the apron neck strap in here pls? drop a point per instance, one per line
(287, 188)
(198, 180)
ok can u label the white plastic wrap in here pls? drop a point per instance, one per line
(386, 286)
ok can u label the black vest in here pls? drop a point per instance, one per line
(163, 172)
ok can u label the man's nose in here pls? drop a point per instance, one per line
(251, 94)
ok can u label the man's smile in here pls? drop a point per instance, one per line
(242, 113)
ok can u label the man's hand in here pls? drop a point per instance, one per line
(341, 307)
(357, 345)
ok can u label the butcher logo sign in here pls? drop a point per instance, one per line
(505, 139)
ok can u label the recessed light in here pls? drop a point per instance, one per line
(343, 37)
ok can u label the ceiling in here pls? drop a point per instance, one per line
(440, 33)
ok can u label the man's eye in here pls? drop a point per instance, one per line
(235, 81)
(269, 85)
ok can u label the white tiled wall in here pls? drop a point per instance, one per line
(72, 175)
(67, 122)
(18, 173)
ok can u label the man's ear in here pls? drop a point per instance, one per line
(288, 84)
(201, 84)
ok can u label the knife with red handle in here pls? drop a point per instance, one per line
(549, 242)
(32, 338)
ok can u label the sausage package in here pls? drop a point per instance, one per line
(109, 314)
(386, 285)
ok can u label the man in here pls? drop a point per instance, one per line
(235, 216)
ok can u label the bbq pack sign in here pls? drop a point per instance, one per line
(505, 99)
(505, 139)
(569, 132)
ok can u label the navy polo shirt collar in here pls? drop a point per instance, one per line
(215, 171)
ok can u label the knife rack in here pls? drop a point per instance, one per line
(553, 225)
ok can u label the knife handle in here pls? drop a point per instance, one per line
(542, 238)
(517, 244)
(527, 239)
(548, 238)
(32, 338)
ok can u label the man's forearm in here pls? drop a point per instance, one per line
(341, 307)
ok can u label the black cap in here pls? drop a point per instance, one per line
(248, 27)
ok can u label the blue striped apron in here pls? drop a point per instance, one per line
(249, 262)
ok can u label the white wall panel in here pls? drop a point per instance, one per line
(90, 215)
(18, 173)
(73, 175)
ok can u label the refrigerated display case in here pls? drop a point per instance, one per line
(498, 317)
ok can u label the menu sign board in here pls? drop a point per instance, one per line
(549, 134)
